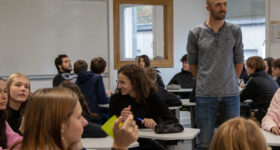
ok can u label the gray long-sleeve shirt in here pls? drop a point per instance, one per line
(215, 55)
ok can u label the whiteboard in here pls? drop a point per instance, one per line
(34, 32)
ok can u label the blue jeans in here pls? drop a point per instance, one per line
(206, 109)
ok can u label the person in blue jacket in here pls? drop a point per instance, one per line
(92, 86)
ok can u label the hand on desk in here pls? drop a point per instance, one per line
(126, 112)
(276, 129)
(125, 135)
(149, 123)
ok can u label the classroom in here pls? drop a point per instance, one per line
(35, 32)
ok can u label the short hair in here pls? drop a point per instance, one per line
(238, 134)
(208, 2)
(184, 58)
(46, 111)
(269, 61)
(80, 65)
(98, 65)
(58, 60)
(151, 73)
(276, 63)
(255, 62)
(146, 60)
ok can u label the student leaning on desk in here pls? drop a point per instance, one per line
(136, 95)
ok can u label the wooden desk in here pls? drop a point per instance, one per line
(180, 90)
(101, 143)
(271, 139)
(187, 137)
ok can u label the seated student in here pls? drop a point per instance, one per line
(92, 87)
(7, 135)
(53, 120)
(144, 61)
(184, 78)
(260, 86)
(239, 134)
(91, 130)
(18, 90)
(64, 68)
(98, 66)
(169, 98)
(268, 64)
(136, 95)
(271, 121)
(276, 70)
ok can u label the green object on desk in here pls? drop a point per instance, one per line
(109, 125)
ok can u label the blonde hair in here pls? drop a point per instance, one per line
(11, 79)
(238, 134)
(45, 113)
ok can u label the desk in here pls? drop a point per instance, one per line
(191, 108)
(180, 90)
(271, 139)
(188, 135)
(176, 110)
(104, 105)
(101, 143)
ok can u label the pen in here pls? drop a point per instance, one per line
(139, 119)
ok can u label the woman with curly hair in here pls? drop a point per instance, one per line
(136, 95)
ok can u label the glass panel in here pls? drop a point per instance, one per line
(141, 31)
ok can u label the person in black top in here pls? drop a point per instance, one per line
(268, 64)
(144, 61)
(184, 78)
(260, 86)
(18, 91)
(136, 95)
(64, 68)
(276, 70)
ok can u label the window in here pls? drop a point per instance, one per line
(250, 16)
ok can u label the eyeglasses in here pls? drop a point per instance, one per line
(120, 82)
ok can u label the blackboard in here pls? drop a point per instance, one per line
(34, 32)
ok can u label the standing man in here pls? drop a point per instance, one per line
(215, 55)
(63, 66)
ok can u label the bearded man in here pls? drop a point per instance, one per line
(215, 55)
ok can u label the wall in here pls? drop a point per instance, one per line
(187, 14)
(272, 14)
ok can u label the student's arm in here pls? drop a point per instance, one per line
(238, 69)
(272, 116)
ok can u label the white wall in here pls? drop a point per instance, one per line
(272, 14)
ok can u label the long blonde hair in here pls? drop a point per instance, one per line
(45, 113)
(8, 86)
(238, 134)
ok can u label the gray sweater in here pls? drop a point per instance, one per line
(215, 55)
